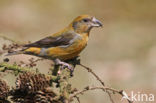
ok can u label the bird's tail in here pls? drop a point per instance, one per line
(15, 53)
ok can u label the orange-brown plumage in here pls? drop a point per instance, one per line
(69, 53)
(66, 44)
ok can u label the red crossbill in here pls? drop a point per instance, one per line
(65, 44)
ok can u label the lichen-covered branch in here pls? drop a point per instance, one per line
(5, 66)
(17, 69)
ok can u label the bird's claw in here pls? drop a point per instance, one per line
(65, 65)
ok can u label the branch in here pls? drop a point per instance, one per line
(122, 93)
(4, 66)
(93, 88)
(91, 71)
(17, 69)
(98, 78)
(104, 88)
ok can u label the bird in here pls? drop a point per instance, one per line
(65, 44)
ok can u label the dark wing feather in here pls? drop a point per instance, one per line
(50, 41)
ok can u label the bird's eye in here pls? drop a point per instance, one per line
(85, 20)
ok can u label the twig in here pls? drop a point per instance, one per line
(78, 99)
(33, 62)
(110, 97)
(91, 88)
(8, 39)
(121, 92)
(91, 71)
(98, 78)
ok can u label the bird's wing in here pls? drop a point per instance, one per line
(61, 40)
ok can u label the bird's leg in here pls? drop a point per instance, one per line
(75, 61)
(64, 65)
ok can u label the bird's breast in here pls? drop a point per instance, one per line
(78, 45)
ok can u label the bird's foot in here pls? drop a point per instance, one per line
(64, 65)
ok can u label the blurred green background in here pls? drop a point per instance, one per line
(122, 53)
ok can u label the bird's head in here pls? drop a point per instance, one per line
(84, 23)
